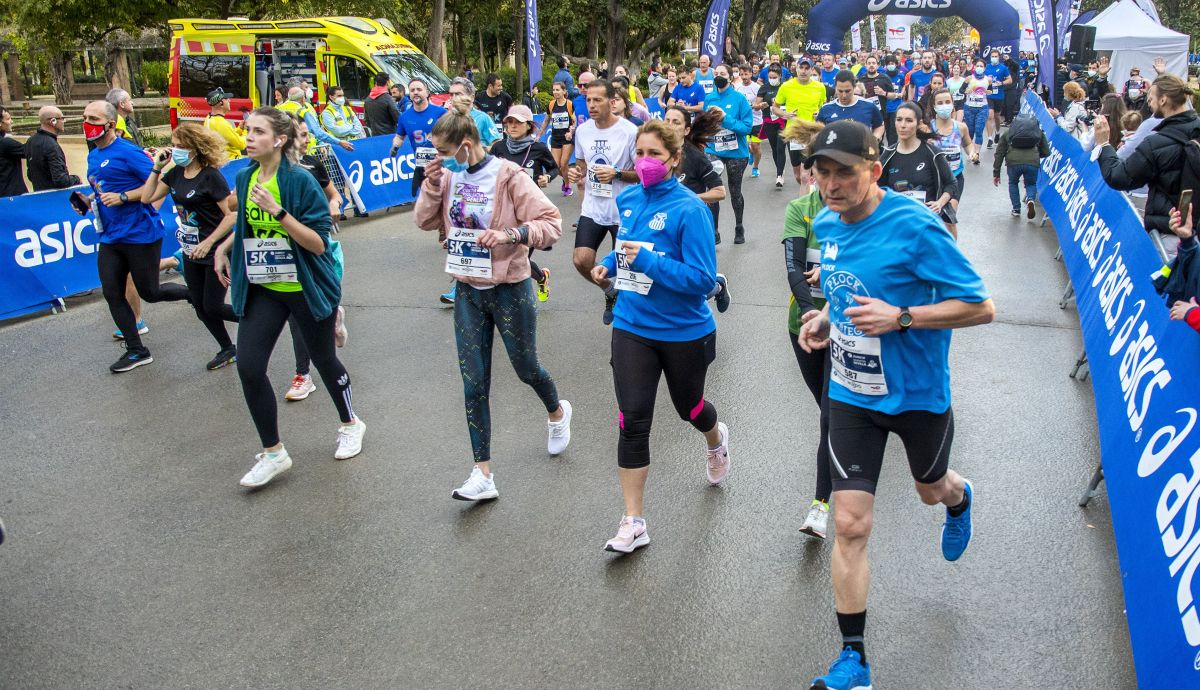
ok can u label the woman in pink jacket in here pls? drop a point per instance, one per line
(489, 213)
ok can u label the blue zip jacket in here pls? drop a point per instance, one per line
(683, 263)
(739, 119)
(300, 197)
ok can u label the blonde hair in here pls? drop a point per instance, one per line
(1073, 91)
(802, 131)
(282, 124)
(457, 126)
(208, 148)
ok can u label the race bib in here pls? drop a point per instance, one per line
(708, 86)
(596, 187)
(464, 257)
(631, 280)
(795, 146)
(812, 259)
(560, 120)
(188, 236)
(724, 140)
(424, 156)
(857, 363)
(915, 194)
(269, 260)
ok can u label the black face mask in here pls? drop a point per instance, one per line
(720, 82)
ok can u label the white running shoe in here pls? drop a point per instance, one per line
(302, 385)
(631, 535)
(477, 487)
(560, 432)
(349, 440)
(817, 522)
(340, 334)
(718, 458)
(267, 468)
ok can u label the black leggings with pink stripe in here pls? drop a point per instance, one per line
(637, 364)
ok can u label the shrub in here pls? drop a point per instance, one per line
(154, 75)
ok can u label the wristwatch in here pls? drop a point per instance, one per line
(280, 215)
(124, 198)
(905, 319)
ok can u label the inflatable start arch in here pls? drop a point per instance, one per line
(997, 22)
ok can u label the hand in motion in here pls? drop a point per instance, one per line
(434, 171)
(1181, 308)
(221, 266)
(264, 200)
(600, 276)
(492, 238)
(201, 250)
(814, 334)
(873, 317)
(575, 174)
(995, 181)
(632, 249)
(1100, 130)
(110, 199)
(813, 276)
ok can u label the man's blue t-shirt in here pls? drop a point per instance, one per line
(416, 126)
(829, 78)
(706, 80)
(903, 255)
(893, 104)
(762, 74)
(581, 111)
(690, 95)
(920, 79)
(861, 110)
(998, 73)
(123, 167)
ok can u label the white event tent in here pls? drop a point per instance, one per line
(1133, 39)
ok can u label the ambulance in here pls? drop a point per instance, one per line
(251, 58)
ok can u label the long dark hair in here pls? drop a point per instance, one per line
(923, 132)
(703, 125)
(1113, 108)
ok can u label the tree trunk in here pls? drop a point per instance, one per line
(615, 48)
(593, 47)
(5, 96)
(460, 52)
(116, 70)
(60, 74)
(433, 45)
(561, 44)
(501, 53)
(481, 57)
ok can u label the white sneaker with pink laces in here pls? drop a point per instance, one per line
(302, 385)
(631, 535)
(718, 458)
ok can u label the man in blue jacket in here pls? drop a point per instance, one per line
(729, 146)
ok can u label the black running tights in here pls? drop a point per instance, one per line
(115, 262)
(815, 367)
(262, 321)
(208, 299)
(637, 364)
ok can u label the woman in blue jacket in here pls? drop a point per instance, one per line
(281, 268)
(666, 264)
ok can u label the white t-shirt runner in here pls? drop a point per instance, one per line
(472, 197)
(612, 146)
(750, 91)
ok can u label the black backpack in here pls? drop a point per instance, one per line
(1025, 132)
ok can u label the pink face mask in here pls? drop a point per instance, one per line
(650, 171)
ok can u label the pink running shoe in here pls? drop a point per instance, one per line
(631, 535)
(718, 458)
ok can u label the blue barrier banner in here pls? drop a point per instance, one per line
(48, 251)
(379, 179)
(1146, 382)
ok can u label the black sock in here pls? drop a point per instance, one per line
(852, 626)
(957, 510)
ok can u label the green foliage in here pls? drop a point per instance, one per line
(154, 74)
(774, 48)
(85, 78)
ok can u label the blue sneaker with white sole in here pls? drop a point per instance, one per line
(847, 672)
(142, 329)
(956, 532)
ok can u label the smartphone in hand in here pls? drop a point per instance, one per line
(80, 202)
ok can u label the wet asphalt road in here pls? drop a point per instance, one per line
(135, 560)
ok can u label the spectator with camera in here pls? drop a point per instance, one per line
(1183, 286)
(1158, 160)
(1074, 119)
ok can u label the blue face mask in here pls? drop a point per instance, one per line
(181, 157)
(452, 163)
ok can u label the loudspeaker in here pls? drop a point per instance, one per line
(1083, 41)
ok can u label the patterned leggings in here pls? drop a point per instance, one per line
(508, 308)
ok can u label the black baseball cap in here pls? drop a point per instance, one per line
(217, 95)
(847, 142)
(803, 60)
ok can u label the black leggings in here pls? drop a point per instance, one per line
(116, 262)
(208, 298)
(889, 127)
(735, 169)
(637, 364)
(262, 321)
(815, 367)
(771, 134)
(858, 437)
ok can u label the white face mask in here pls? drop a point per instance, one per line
(340, 100)
(308, 93)
(1135, 93)
(773, 81)
(995, 60)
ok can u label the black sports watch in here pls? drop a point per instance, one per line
(124, 198)
(905, 319)
(281, 215)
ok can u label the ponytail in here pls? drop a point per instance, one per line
(704, 125)
(283, 124)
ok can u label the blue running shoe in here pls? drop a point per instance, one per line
(753, 172)
(847, 672)
(142, 329)
(448, 298)
(956, 533)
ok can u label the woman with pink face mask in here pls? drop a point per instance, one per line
(665, 263)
